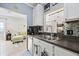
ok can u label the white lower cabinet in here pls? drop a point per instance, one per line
(58, 51)
(46, 49)
(36, 48)
(30, 44)
(42, 48)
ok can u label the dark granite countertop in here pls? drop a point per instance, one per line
(67, 44)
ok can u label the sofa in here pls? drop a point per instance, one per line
(19, 38)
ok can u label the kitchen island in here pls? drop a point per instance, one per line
(60, 47)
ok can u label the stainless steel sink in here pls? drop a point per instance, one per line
(46, 37)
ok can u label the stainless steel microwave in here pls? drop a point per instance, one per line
(69, 32)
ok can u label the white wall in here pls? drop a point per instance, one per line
(2, 32)
(21, 8)
(16, 25)
(14, 22)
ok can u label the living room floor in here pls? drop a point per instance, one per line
(17, 49)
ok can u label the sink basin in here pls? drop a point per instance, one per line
(48, 37)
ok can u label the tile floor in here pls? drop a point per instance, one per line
(17, 49)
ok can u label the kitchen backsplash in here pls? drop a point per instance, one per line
(72, 26)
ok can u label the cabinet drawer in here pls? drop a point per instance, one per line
(35, 40)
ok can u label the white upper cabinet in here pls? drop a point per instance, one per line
(38, 15)
(51, 23)
(71, 10)
(57, 16)
(54, 18)
(60, 17)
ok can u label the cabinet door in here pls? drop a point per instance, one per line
(49, 20)
(30, 44)
(54, 22)
(35, 16)
(38, 15)
(58, 51)
(52, 17)
(71, 10)
(47, 17)
(36, 47)
(60, 17)
(54, 26)
(47, 47)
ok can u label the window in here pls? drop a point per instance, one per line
(1, 26)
